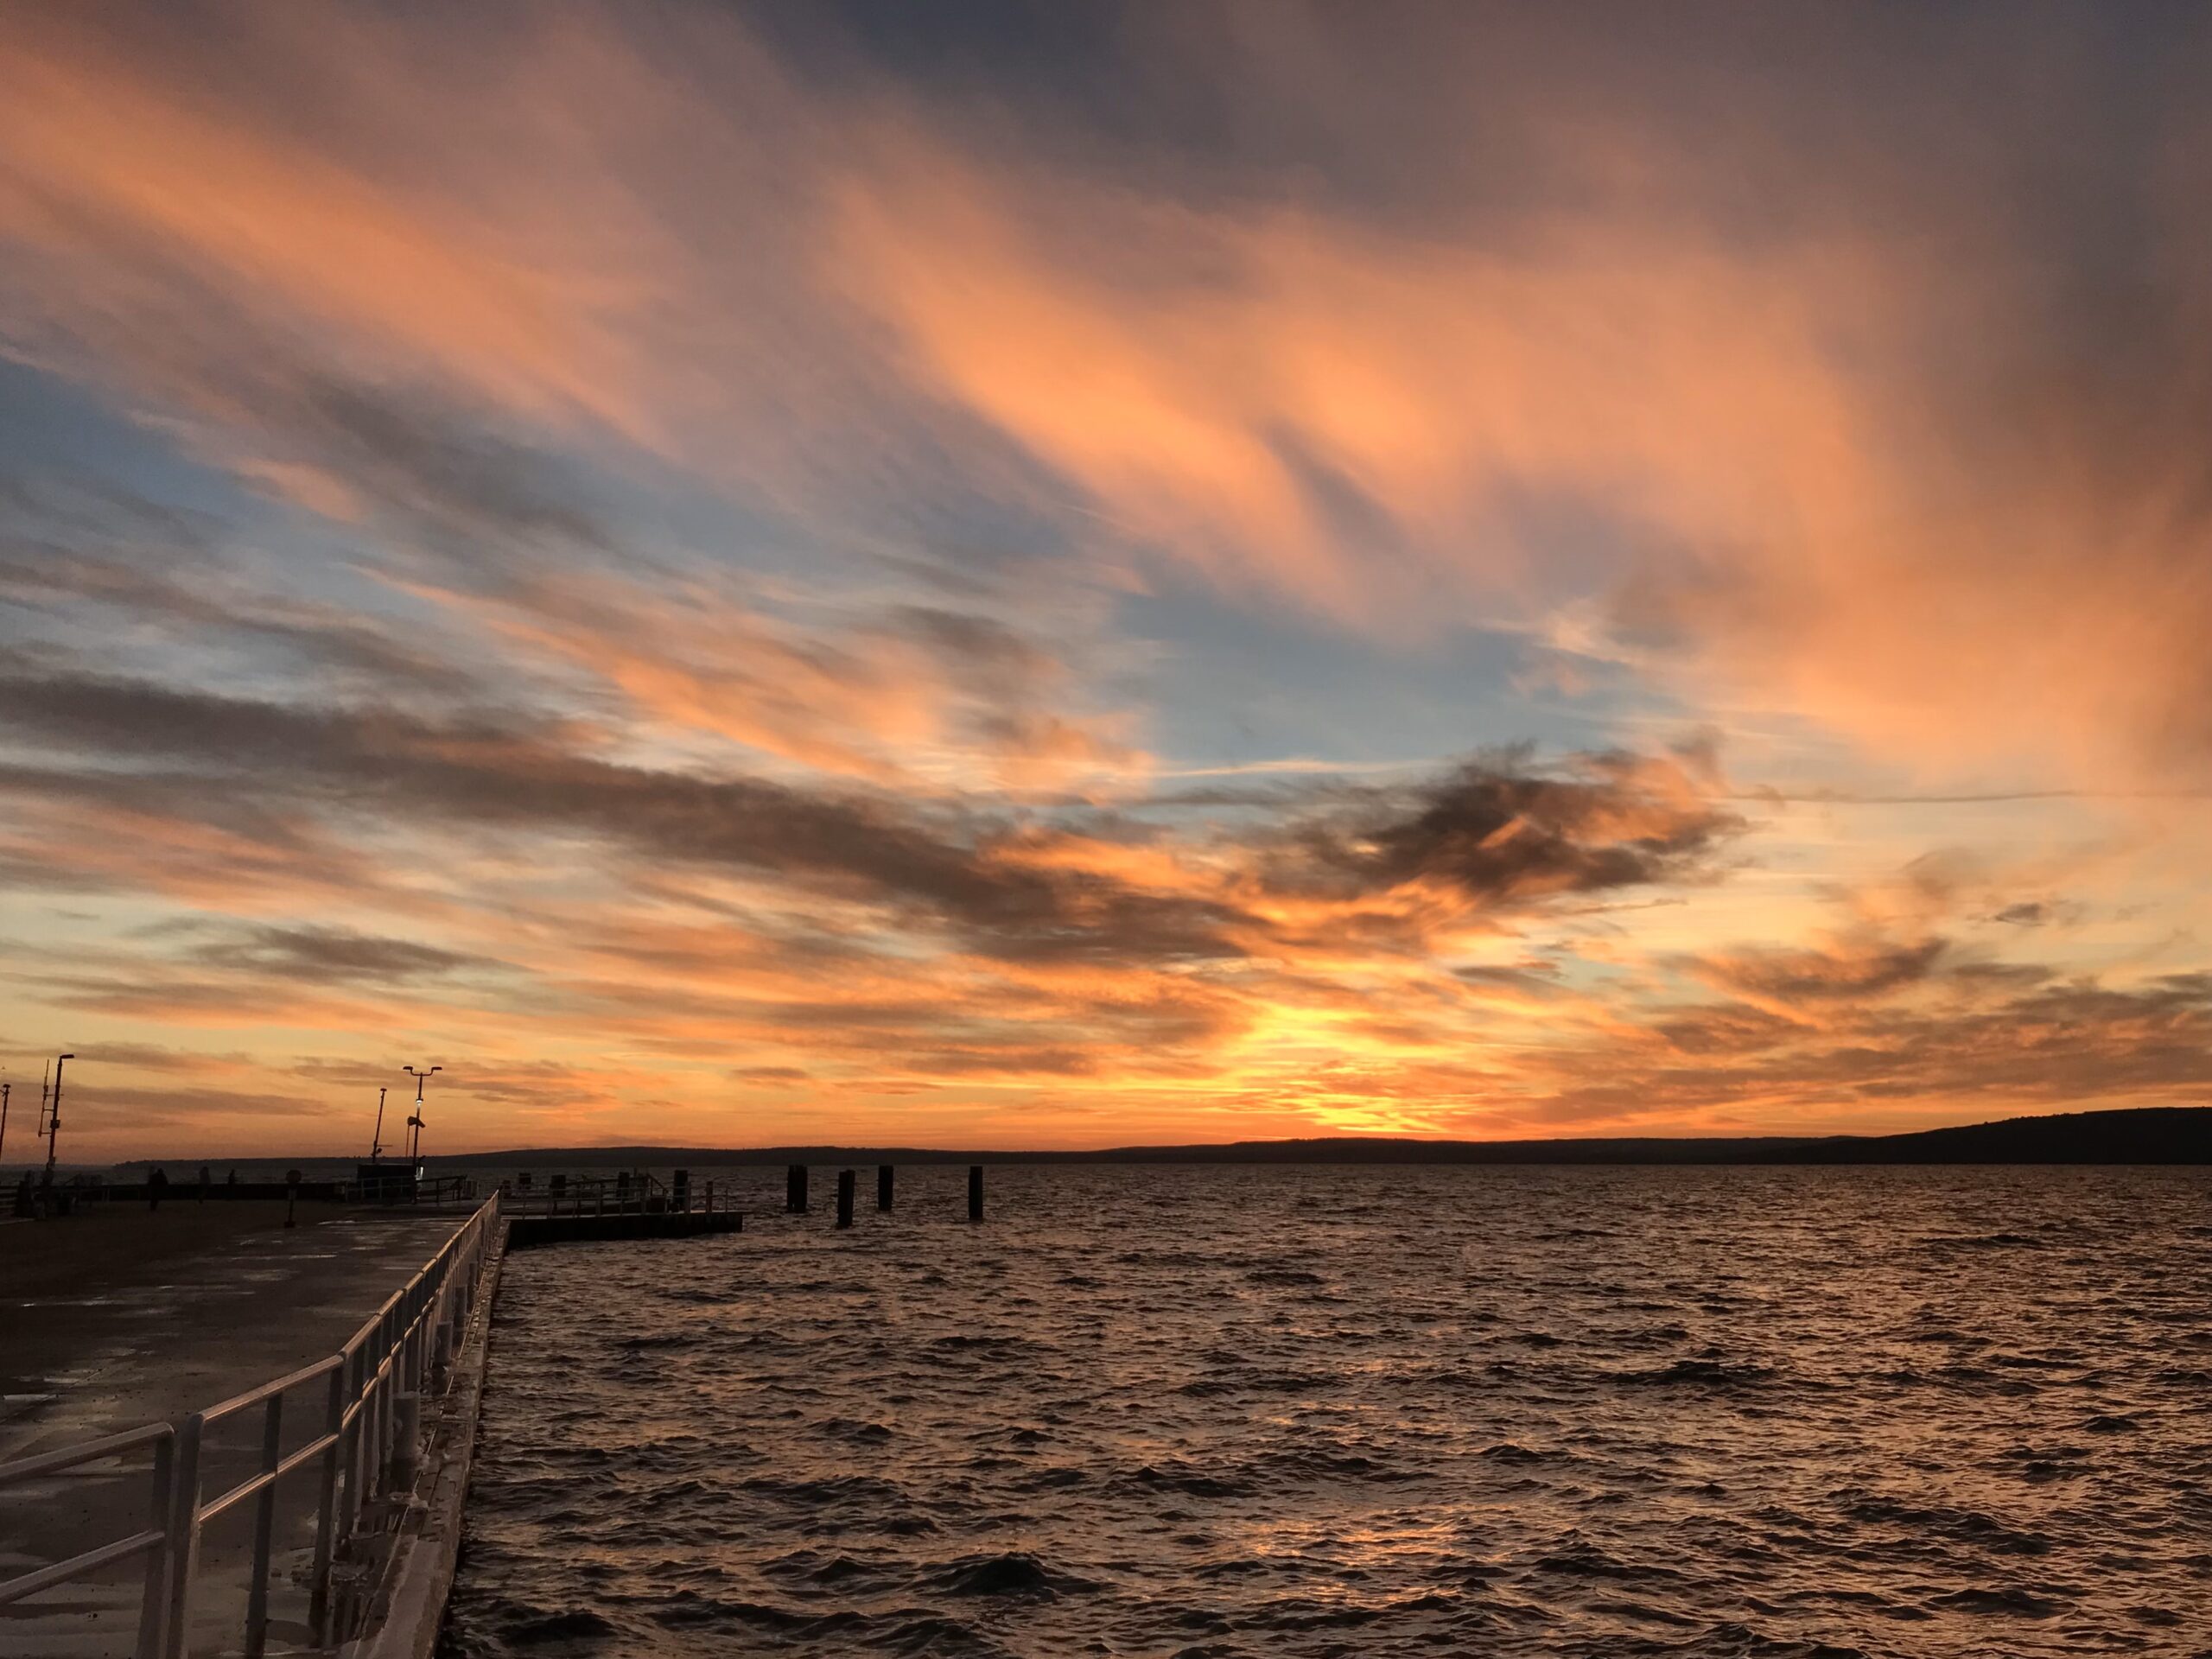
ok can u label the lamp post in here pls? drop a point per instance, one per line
(415, 1122)
(54, 1119)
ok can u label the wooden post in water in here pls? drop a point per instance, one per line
(974, 1192)
(883, 1186)
(795, 1190)
(844, 1198)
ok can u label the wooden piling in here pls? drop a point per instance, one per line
(795, 1190)
(844, 1198)
(974, 1192)
(883, 1186)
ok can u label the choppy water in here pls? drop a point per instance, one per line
(1224, 1411)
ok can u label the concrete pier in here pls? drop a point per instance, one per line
(117, 1316)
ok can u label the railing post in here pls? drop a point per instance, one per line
(182, 1545)
(264, 1528)
(371, 1421)
(326, 1510)
(387, 1386)
(406, 1449)
(153, 1606)
(351, 1457)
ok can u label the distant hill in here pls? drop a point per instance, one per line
(2158, 1134)
(2150, 1134)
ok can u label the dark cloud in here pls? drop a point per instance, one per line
(1730, 1029)
(154, 1057)
(991, 653)
(1495, 834)
(2059, 1044)
(1811, 975)
(1499, 829)
(516, 776)
(330, 956)
(1540, 979)
(192, 1109)
(202, 603)
(443, 469)
(769, 1076)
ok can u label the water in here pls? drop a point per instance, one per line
(1312, 1411)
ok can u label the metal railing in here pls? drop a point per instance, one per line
(367, 1447)
(431, 1192)
(639, 1192)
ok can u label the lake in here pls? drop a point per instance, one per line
(1163, 1410)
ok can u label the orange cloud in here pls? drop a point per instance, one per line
(805, 843)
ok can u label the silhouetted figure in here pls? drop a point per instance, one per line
(206, 1180)
(157, 1186)
(231, 1179)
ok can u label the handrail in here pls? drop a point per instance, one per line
(68, 1456)
(367, 1447)
(624, 1192)
(238, 1403)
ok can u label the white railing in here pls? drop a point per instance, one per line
(367, 1444)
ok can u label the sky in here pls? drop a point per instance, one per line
(1064, 575)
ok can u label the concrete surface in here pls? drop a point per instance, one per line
(120, 1316)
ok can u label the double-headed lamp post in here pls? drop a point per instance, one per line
(415, 1122)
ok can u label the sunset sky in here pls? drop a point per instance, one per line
(1064, 575)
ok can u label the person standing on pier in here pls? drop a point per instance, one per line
(157, 1186)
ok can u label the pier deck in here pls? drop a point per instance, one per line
(119, 1316)
(122, 1315)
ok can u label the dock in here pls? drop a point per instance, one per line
(341, 1353)
(317, 1505)
(529, 1232)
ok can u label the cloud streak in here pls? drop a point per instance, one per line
(737, 557)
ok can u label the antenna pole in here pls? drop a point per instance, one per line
(54, 1119)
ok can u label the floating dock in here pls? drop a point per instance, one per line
(528, 1232)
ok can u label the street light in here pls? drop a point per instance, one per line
(415, 1158)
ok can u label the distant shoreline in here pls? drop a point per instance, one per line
(2155, 1135)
